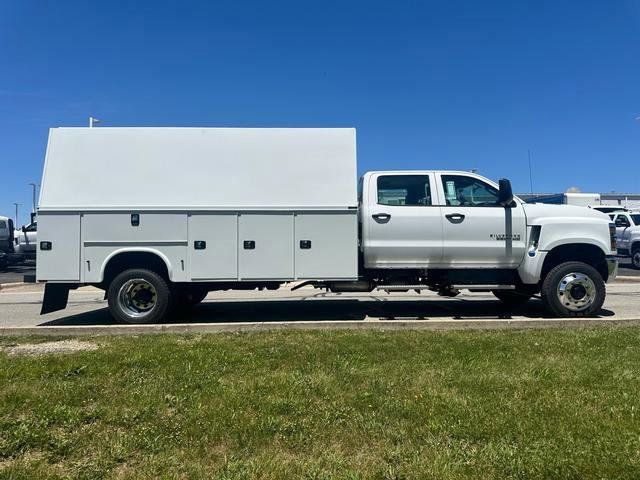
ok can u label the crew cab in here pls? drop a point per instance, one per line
(628, 235)
(158, 217)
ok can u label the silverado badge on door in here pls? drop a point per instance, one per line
(504, 236)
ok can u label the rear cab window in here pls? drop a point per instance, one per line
(404, 190)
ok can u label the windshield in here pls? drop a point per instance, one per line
(636, 218)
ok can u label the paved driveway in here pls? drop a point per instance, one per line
(19, 307)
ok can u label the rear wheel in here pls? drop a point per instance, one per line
(186, 298)
(139, 296)
(512, 298)
(635, 257)
(573, 289)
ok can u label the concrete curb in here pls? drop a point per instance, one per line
(6, 286)
(627, 279)
(380, 325)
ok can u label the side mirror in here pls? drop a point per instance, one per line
(505, 193)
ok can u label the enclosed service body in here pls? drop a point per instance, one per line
(215, 204)
(157, 217)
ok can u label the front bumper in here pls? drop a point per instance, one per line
(612, 267)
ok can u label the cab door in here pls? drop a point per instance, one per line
(403, 224)
(477, 231)
(623, 230)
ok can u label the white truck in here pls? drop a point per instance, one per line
(25, 241)
(6, 241)
(6, 235)
(158, 217)
(628, 235)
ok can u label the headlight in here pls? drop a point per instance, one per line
(612, 236)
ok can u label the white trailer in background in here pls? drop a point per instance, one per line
(569, 198)
(157, 217)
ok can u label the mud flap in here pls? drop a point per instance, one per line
(55, 298)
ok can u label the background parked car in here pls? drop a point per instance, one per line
(628, 235)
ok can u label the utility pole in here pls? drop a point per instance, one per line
(34, 186)
(530, 174)
(16, 205)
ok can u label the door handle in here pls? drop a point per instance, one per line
(381, 217)
(455, 217)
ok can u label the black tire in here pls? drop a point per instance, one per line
(635, 257)
(186, 298)
(558, 292)
(196, 296)
(512, 298)
(150, 303)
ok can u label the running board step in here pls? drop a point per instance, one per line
(456, 287)
(485, 287)
(401, 287)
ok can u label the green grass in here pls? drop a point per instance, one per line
(450, 405)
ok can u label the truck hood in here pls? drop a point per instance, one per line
(537, 212)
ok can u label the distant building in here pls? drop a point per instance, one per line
(623, 200)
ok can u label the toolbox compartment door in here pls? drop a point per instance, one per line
(265, 246)
(58, 249)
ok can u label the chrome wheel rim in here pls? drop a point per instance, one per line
(576, 291)
(137, 297)
(636, 259)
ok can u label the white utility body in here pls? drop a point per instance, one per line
(160, 216)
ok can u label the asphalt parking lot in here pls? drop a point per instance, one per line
(304, 308)
(628, 271)
(16, 273)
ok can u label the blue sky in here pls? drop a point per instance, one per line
(427, 84)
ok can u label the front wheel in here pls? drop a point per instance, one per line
(573, 289)
(139, 296)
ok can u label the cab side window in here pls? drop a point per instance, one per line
(463, 191)
(404, 190)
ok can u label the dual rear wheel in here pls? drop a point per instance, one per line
(143, 296)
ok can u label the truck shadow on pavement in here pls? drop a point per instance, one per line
(334, 309)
